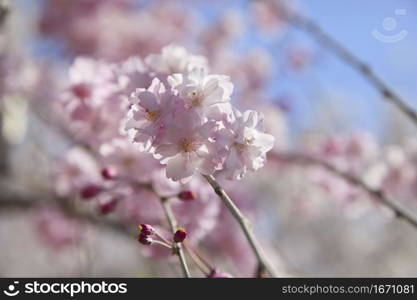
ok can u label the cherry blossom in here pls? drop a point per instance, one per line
(175, 59)
(200, 90)
(248, 145)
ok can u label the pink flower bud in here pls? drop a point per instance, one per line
(108, 207)
(180, 235)
(146, 229)
(108, 173)
(81, 90)
(145, 239)
(186, 195)
(90, 191)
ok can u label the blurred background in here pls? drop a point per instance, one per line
(324, 113)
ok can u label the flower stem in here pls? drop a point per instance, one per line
(177, 249)
(244, 224)
(205, 267)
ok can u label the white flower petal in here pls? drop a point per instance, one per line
(180, 167)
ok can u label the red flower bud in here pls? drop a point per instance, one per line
(180, 235)
(108, 173)
(145, 239)
(90, 191)
(186, 195)
(81, 90)
(108, 207)
(146, 229)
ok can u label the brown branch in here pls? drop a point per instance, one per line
(400, 210)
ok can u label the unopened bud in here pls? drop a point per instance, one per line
(81, 90)
(145, 239)
(186, 195)
(180, 235)
(90, 191)
(146, 229)
(108, 173)
(108, 207)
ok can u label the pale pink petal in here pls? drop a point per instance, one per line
(167, 150)
(180, 167)
(148, 101)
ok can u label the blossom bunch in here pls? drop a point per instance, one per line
(186, 120)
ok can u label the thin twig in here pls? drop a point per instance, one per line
(244, 224)
(202, 264)
(312, 28)
(176, 246)
(400, 210)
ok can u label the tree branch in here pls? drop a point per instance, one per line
(312, 28)
(400, 210)
(16, 200)
(244, 225)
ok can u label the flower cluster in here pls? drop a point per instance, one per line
(186, 120)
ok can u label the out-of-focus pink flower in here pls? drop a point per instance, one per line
(175, 59)
(57, 230)
(74, 171)
(112, 29)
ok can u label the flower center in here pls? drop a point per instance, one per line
(152, 115)
(239, 146)
(242, 146)
(187, 145)
(196, 99)
(248, 141)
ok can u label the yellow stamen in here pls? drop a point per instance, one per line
(187, 145)
(152, 115)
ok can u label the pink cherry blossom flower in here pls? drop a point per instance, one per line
(57, 230)
(200, 90)
(148, 110)
(186, 148)
(248, 147)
